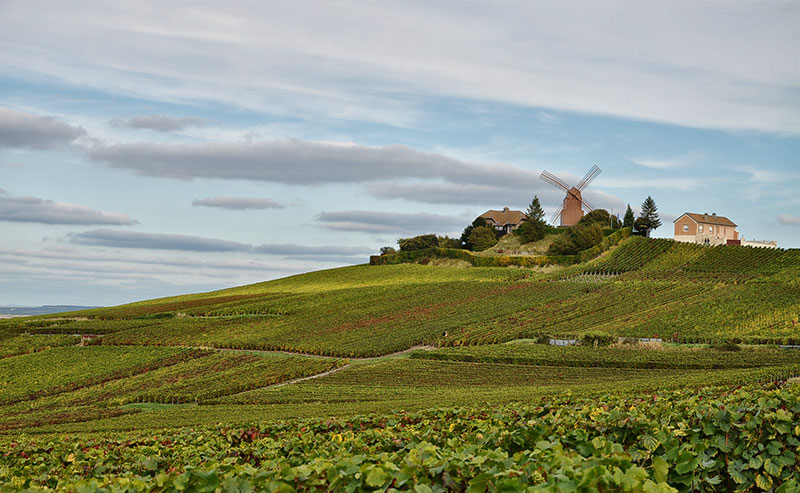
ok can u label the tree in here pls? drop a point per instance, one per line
(601, 217)
(447, 242)
(576, 239)
(420, 242)
(648, 218)
(627, 221)
(482, 237)
(535, 212)
(533, 228)
(387, 250)
(477, 223)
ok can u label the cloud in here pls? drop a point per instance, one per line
(394, 222)
(681, 184)
(299, 162)
(165, 241)
(789, 220)
(293, 250)
(36, 210)
(655, 61)
(668, 163)
(239, 203)
(157, 241)
(511, 194)
(159, 123)
(27, 131)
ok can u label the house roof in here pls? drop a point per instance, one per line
(708, 219)
(504, 217)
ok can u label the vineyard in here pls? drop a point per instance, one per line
(671, 441)
(422, 377)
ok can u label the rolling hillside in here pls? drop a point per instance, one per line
(399, 339)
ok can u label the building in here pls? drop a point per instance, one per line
(706, 229)
(505, 220)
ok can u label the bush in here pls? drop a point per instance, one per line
(420, 242)
(601, 217)
(727, 346)
(597, 338)
(482, 237)
(387, 250)
(543, 339)
(576, 239)
(528, 232)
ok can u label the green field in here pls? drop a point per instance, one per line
(348, 351)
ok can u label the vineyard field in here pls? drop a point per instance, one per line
(425, 378)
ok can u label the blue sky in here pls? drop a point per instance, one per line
(147, 151)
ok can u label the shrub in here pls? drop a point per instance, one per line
(420, 242)
(727, 346)
(482, 237)
(528, 232)
(387, 250)
(597, 338)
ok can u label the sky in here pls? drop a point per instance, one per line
(150, 149)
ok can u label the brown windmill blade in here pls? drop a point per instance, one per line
(557, 214)
(554, 180)
(589, 177)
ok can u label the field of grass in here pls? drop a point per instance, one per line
(322, 346)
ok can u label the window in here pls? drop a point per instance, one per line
(700, 228)
(711, 229)
(685, 228)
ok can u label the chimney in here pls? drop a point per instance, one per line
(505, 209)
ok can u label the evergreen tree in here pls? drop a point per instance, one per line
(627, 221)
(533, 228)
(648, 219)
(535, 212)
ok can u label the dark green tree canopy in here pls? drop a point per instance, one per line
(648, 218)
(601, 217)
(482, 237)
(535, 211)
(576, 239)
(627, 221)
(534, 228)
(477, 223)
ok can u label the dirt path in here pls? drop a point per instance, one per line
(310, 355)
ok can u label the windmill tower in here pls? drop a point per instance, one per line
(571, 210)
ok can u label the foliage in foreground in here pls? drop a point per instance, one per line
(690, 440)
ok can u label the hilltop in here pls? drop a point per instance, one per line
(389, 340)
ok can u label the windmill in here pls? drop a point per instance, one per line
(571, 210)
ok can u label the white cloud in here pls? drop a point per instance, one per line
(789, 220)
(394, 222)
(239, 203)
(159, 123)
(667, 163)
(36, 210)
(706, 65)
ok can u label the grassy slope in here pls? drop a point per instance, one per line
(641, 288)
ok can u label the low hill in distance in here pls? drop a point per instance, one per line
(393, 342)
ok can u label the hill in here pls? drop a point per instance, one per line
(407, 338)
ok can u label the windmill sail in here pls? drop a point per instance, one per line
(571, 209)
